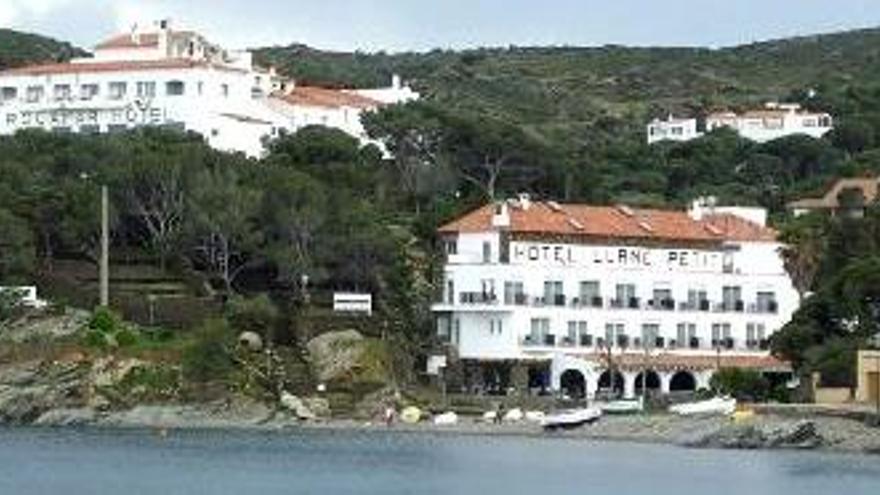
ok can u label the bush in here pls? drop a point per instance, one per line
(741, 383)
(106, 321)
(126, 337)
(257, 314)
(208, 357)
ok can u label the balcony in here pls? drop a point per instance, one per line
(662, 304)
(764, 307)
(477, 298)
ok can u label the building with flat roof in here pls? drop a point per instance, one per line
(774, 121)
(161, 76)
(583, 298)
(672, 129)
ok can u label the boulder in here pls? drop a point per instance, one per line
(336, 355)
(319, 406)
(799, 435)
(251, 341)
(296, 406)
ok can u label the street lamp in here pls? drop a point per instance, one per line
(104, 262)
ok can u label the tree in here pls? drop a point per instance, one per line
(853, 135)
(224, 220)
(17, 254)
(804, 242)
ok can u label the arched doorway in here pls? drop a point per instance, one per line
(573, 384)
(683, 381)
(647, 381)
(611, 382)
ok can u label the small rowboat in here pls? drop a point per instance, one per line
(622, 406)
(716, 406)
(571, 418)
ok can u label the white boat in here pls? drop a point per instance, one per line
(571, 418)
(534, 416)
(622, 406)
(513, 416)
(713, 406)
(489, 416)
(447, 418)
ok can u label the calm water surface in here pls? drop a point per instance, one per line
(72, 462)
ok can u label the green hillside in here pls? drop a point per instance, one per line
(569, 86)
(17, 48)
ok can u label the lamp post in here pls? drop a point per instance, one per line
(104, 269)
(104, 258)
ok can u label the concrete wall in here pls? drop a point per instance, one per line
(868, 376)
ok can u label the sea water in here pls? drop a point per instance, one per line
(127, 462)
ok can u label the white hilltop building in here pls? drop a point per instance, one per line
(774, 121)
(581, 299)
(162, 76)
(672, 129)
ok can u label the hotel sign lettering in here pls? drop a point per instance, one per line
(137, 113)
(622, 257)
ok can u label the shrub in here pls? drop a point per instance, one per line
(257, 314)
(106, 321)
(126, 337)
(208, 357)
(741, 383)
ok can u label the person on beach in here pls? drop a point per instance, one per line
(499, 414)
(390, 413)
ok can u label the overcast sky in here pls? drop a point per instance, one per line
(397, 25)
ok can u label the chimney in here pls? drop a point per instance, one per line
(525, 201)
(702, 206)
(164, 36)
(501, 216)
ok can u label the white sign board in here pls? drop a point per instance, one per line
(348, 302)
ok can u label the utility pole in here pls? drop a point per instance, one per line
(104, 268)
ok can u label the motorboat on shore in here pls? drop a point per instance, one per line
(571, 418)
(714, 406)
(627, 406)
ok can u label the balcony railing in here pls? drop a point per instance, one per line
(633, 303)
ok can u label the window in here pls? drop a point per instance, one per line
(488, 289)
(444, 328)
(650, 335)
(456, 331)
(61, 92)
(62, 130)
(450, 290)
(487, 252)
(663, 299)
(626, 296)
(450, 246)
(514, 293)
(146, 89)
(698, 299)
(174, 88)
(34, 94)
(731, 298)
(200, 87)
(553, 294)
(766, 302)
(116, 128)
(721, 335)
(88, 91)
(495, 327)
(590, 293)
(539, 332)
(8, 93)
(89, 129)
(117, 90)
(224, 90)
(685, 335)
(615, 335)
(755, 335)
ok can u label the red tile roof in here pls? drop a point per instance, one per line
(614, 222)
(146, 40)
(868, 186)
(328, 98)
(122, 66)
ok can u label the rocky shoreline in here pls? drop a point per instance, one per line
(761, 432)
(70, 393)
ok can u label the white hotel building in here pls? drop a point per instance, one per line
(166, 77)
(586, 298)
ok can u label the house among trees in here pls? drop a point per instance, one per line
(847, 196)
(774, 121)
(672, 129)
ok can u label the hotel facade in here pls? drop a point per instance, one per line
(582, 299)
(161, 76)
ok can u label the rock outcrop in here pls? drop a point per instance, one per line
(336, 355)
(796, 435)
